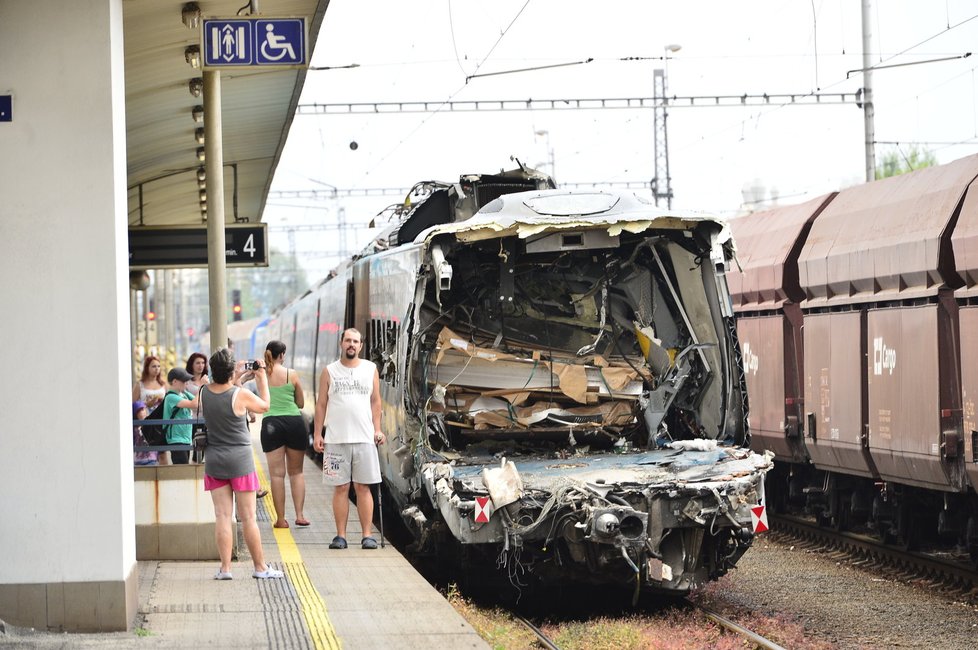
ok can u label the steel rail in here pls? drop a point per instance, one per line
(758, 640)
(543, 638)
(955, 574)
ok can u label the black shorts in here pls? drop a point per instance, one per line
(287, 430)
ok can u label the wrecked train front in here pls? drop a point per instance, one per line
(575, 393)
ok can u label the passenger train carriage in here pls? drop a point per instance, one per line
(562, 387)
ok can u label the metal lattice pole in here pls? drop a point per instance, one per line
(661, 181)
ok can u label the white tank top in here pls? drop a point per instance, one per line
(150, 396)
(348, 414)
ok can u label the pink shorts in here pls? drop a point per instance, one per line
(246, 483)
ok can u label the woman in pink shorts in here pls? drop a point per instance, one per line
(229, 465)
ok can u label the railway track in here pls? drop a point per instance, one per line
(541, 637)
(758, 641)
(867, 552)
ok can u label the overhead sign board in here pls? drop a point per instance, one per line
(250, 41)
(181, 248)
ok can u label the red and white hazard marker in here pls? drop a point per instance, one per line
(758, 515)
(483, 510)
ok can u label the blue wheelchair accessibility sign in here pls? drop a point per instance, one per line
(280, 41)
(265, 42)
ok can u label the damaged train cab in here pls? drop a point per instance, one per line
(562, 384)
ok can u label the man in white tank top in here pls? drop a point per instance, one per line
(348, 404)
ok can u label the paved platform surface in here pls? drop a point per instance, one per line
(352, 598)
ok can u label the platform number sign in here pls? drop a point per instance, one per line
(186, 247)
(253, 42)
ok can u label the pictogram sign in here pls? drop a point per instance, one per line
(758, 515)
(254, 41)
(483, 509)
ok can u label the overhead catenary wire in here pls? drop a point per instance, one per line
(452, 96)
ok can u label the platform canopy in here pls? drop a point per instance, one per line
(161, 132)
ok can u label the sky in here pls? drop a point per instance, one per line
(722, 160)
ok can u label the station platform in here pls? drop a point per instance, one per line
(350, 598)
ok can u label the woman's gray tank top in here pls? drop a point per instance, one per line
(228, 438)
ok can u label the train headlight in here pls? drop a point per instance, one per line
(607, 525)
(620, 526)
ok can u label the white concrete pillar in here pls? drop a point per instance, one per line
(67, 541)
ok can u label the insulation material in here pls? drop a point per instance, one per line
(458, 368)
(619, 378)
(449, 340)
(571, 379)
(693, 445)
(504, 483)
(514, 397)
(606, 414)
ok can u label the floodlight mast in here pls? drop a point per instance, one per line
(662, 181)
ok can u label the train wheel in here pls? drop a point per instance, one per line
(971, 538)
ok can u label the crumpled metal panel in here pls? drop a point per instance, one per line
(885, 240)
(964, 241)
(657, 468)
(768, 244)
(510, 215)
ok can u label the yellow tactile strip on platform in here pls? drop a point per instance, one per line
(313, 606)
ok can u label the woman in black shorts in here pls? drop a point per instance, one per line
(283, 435)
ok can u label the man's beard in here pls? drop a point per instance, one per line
(351, 353)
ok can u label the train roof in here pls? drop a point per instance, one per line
(526, 214)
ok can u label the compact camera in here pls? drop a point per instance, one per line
(252, 365)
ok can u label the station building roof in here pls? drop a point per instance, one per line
(258, 107)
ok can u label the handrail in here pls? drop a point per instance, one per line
(137, 423)
(173, 447)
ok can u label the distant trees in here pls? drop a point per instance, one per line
(896, 161)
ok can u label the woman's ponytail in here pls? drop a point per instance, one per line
(273, 350)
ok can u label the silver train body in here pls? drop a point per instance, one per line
(562, 386)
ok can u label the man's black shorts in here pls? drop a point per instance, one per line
(287, 430)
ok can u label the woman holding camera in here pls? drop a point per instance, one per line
(229, 466)
(283, 434)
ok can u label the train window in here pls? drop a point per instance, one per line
(573, 240)
(382, 348)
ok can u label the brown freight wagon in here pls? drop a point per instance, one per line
(965, 244)
(859, 297)
(765, 298)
